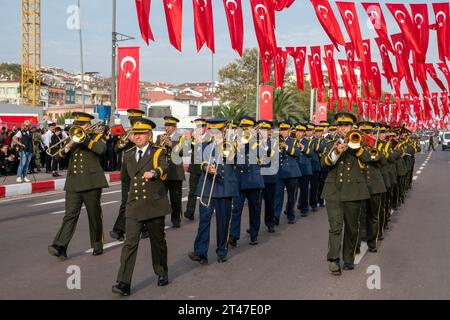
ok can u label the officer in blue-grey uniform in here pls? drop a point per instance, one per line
(268, 154)
(250, 184)
(304, 162)
(288, 174)
(315, 163)
(215, 168)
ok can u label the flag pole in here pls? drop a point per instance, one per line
(257, 86)
(83, 103)
(212, 84)
(113, 63)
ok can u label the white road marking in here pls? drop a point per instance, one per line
(415, 178)
(111, 192)
(418, 172)
(421, 168)
(363, 249)
(103, 204)
(48, 202)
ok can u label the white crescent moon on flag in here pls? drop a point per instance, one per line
(205, 3)
(303, 53)
(128, 59)
(374, 14)
(398, 13)
(233, 2)
(322, 109)
(316, 55)
(440, 13)
(366, 47)
(418, 15)
(375, 70)
(399, 46)
(322, 9)
(266, 93)
(348, 13)
(261, 6)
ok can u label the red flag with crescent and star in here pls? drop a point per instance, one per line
(266, 102)
(264, 22)
(143, 13)
(378, 21)
(174, 18)
(299, 56)
(328, 21)
(128, 78)
(233, 11)
(444, 69)
(203, 23)
(331, 66)
(432, 72)
(442, 27)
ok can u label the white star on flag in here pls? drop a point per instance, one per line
(128, 75)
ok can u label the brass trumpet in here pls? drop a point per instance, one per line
(162, 141)
(77, 135)
(354, 139)
(123, 141)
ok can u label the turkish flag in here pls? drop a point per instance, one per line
(264, 22)
(203, 23)
(367, 52)
(233, 10)
(312, 72)
(442, 14)
(376, 80)
(424, 85)
(174, 19)
(299, 56)
(316, 57)
(118, 130)
(378, 21)
(402, 57)
(444, 100)
(430, 68)
(128, 78)
(404, 21)
(444, 69)
(350, 53)
(385, 60)
(395, 83)
(266, 64)
(266, 102)
(282, 4)
(322, 115)
(331, 66)
(421, 28)
(435, 102)
(347, 82)
(143, 13)
(351, 22)
(280, 67)
(427, 109)
(328, 21)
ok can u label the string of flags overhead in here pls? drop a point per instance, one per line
(415, 25)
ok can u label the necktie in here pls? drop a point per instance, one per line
(140, 155)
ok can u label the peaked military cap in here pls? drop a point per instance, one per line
(345, 118)
(170, 121)
(143, 125)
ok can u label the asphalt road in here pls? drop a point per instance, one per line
(413, 259)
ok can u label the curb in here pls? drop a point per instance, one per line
(46, 186)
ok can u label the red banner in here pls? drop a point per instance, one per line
(328, 21)
(233, 10)
(174, 19)
(299, 55)
(128, 78)
(266, 102)
(203, 23)
(143, 13)
(264, 22)
(322, 115)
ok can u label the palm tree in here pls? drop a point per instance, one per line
(284, 105)
(231, 112)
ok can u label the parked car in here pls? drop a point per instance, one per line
(446, 140)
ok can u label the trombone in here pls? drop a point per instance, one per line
(210, 163)
(76, 135)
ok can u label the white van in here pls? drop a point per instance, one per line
(446, 140)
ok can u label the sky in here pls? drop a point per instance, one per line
(296, 26)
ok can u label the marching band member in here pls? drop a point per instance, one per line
(84, 183)
(118, 231)
(288, 174)
(345, 188)
(216, 188)
(173, 143)
(304, 163)
(250, 184)
(144, 167)
(315, 163)
(194, 169)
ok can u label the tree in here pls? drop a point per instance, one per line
(231, 112)
(10, 72)
(61, 119)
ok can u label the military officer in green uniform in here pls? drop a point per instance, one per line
(344, 189)
(118, 231)
(199, 136)
(173, 142)
(372, 207)
(144, 166)
(402, 170)
(84, 183)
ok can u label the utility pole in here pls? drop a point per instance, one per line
(212, 84)
(113, 64)
(83, 104)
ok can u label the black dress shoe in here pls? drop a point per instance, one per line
(358, 250)
(304, 214)
(176, 225)
(222, 259)
(232, 242)
(315, 209)
(253, 242)
(277, 221)
(291, 221)
(55, 174)
(348, 266)
(188, 217)
(195, 257)
(248, 231)
(163, 281)
(270, 229)
(118, 235)
(380, 238)
(121, 288)
(57, 251)
(97, 252)
(373, 250)
(335, 267)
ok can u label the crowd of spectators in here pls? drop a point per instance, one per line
(23, 151)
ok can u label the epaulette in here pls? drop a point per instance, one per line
(134, 147)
